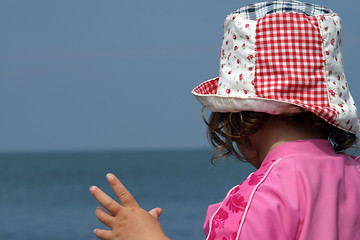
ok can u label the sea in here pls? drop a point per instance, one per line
(46, 195)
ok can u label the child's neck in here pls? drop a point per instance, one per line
(276, 132)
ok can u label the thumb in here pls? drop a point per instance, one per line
(156, 212)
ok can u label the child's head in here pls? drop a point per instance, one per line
(226, 131)
(276, 56)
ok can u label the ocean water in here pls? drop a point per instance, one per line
(45, 195)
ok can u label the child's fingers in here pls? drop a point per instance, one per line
(156, 213)
(107, 202)
(104, 217)
(103, 234)
(123, 195)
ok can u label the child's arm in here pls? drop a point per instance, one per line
(127, 221)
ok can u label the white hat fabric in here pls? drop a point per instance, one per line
(280, 54)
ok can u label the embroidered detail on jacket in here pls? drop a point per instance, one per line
(252, 195)
(234, 207)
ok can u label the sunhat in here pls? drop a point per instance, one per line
(280, 54)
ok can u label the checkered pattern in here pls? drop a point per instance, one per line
(208, 87)
(329, 114)
(290, 64)
(258, 10)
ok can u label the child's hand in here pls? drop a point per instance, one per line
(127, 221)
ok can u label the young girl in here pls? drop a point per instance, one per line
(281, 102)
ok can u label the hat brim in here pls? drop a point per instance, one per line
(206, 94)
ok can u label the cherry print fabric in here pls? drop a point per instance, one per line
(237, 63)
(339, 95)
(303, 190)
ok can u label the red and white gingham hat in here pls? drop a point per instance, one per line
(279, 54)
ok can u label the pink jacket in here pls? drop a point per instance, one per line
(303, 190)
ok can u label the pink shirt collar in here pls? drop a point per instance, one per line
(300, 147)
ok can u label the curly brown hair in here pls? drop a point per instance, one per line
(226, 129)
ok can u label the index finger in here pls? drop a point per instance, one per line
(106, 201)
(124, 196)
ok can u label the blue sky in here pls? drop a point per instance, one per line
(99, 75)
